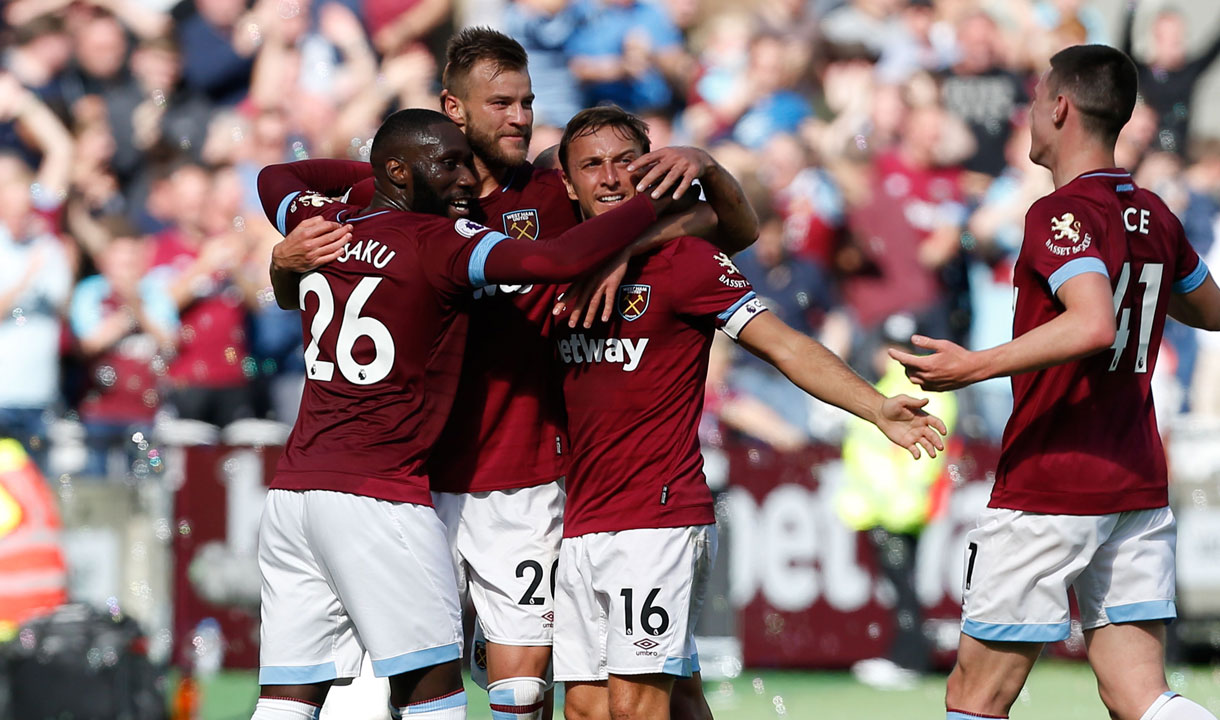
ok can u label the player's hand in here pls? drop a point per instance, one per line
(949, 367)
(905, 423)
(593, 293)
(311, 244)
(671, 167)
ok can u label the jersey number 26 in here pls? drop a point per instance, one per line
(352, 327)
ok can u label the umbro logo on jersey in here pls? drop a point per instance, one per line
(522, 224)
(633, 301)
(578, 349)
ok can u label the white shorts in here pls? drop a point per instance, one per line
(505, 545)
(1019, 567)
(626, 602)
(342, 574)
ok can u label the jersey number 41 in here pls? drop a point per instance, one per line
(1150, 278)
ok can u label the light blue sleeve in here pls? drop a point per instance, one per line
(159, 305)
(1072, 268)
(85, 310)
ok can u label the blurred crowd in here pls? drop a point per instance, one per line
(883, 143)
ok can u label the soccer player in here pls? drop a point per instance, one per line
(1080, 497)
(352, 554)
(497, 465)
(639, 528)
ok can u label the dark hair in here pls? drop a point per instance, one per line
(590, 120)
(474, 45)
(402, 126)
(1102, 82)
(118, 226)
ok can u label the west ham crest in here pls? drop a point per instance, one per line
(521, 224)
(633, 301)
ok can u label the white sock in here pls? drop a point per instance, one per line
(445, 707)
(285, 709)
(1172, 706)
(518, 698)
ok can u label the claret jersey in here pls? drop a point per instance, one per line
(506, 428)
(1082, 439)
(385, 328)
(633, 389)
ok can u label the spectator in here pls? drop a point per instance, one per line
(544, 28)
(909, 231)
(920, 42)
(396, 25)
(207, 378)
(35, 270)
(1167, 77)
(994, 239)
(125, 323)
(38, 57)
(153, 108)
(799, 291)
(626, 52)
(982, 92)
(218, 39)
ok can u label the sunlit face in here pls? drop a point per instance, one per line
(498, 114)
(1041, 122)
(596, 173)
(442, 173)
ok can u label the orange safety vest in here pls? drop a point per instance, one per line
(33, 575)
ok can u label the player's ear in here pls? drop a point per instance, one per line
(451, 105)
(399, 173)
(563, 173)
(1059, 113)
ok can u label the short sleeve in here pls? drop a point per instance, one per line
(1189, 269)
(708, 284)
(1061, 241)
(454, 253)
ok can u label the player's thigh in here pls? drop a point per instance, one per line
(988, 676)
(687, 701)
(509, 543)
(307, 635)
(586, 701)
(391, 567)
(581, 617)
(1131, 577)
(1129, 662)
(640, 697)
(1018, 568)
(510, 661)
(654, 581)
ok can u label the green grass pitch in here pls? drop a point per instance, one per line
(1057, 690)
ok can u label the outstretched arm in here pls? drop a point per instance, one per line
(1086, 326)
(819, 372)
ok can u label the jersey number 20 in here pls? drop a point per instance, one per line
(1150, 278)
(352, 327)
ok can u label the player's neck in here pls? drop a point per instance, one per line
(1084, 157)
(492, 176)
(381, 200)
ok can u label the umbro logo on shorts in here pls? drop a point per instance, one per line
(548, 616)
(645, 644)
